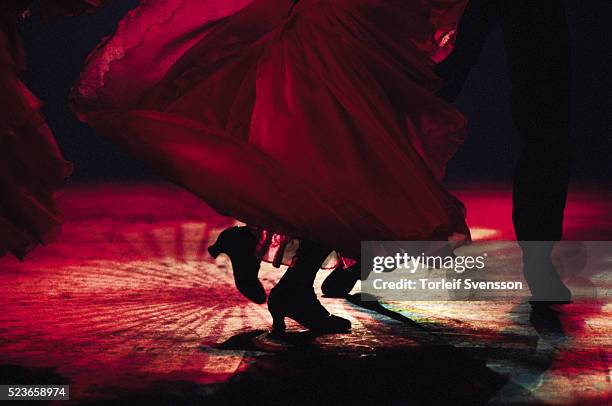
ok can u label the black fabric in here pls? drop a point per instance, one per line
(302, 274)
(536, 37)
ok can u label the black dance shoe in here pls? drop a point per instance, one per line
(301, 304)
(556, 294)
(544, 281)
(341, 281)
(238, 243)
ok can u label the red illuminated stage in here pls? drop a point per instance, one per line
(127, 307)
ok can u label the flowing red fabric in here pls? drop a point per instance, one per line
(320, 123)
(32, 168)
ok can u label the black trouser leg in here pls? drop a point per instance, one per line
(537, 43)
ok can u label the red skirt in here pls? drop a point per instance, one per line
(320, 123)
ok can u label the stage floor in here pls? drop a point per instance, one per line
(128, 307)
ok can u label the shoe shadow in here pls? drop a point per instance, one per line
(299, 369)
(369, 302)
(306, 373)
(547, 322)
(268, 341)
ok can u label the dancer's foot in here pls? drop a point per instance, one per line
(301, 304)
(239, 244)
(294, 295)
(341, 281)
(544, 281)
(555, 293)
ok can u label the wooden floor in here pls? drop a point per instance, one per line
(128, 308)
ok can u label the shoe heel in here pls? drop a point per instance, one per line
(278, 323)
(224, 244)
(214, 250)
(278, 316)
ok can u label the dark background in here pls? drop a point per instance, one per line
(56, 52)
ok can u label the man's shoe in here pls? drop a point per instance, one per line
(341, 281)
